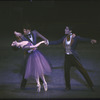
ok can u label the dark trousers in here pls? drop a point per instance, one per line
(70, 61)
(24, 81)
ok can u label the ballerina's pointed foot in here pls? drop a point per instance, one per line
(38, 88)
(45, 86)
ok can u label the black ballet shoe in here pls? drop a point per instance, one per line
(92, 89)
(68, 88)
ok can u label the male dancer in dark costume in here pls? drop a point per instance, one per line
(70, 41)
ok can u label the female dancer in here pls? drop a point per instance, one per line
(36, 66)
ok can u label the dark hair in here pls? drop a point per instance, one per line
(70, 28)
(27, 26)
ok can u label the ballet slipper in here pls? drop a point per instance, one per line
(38, 88)
(45, 86)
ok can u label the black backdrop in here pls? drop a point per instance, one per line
(50, 17)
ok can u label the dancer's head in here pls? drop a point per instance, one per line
(26, 29)
(67, 31)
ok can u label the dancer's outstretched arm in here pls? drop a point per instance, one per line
(39, 43)
(18, 36)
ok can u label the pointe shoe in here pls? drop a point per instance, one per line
(45, 86)
(38, 88)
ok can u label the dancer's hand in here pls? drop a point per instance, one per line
(93, 41)
(17, 34)
(47, 42)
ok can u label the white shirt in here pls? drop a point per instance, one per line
(31, 38)
(68, 47)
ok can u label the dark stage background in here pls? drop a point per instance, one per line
(50, 17)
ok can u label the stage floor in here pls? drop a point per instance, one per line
(11, 61)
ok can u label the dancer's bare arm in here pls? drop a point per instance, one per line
(38, 44)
